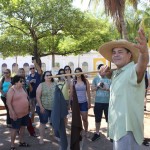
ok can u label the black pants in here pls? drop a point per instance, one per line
(99, 108)
(8, 120)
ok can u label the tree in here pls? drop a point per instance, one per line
(32, 20)
(116, 8)
(43, 27)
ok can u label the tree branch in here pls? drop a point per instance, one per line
(16, 27)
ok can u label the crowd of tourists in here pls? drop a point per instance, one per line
(119, 94)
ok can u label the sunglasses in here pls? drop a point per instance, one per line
(47, 75)
(6, 72)
(21, 80)
(31, 68)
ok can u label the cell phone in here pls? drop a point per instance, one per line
(33, 58)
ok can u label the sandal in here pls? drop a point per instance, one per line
(12, 148)
(24, 144)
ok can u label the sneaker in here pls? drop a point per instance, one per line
(95, 137)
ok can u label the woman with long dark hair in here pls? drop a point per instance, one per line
(82, 88)
(45, 98)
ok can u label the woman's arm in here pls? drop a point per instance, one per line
(10, 96)
(71, 92)
(38, 97)
(88, 94)
(30, 88)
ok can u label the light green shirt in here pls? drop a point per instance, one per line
(126, 106)
(64, 88)
(47, 97)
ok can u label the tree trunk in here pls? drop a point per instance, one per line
(123, 26)
(36, 55)
(53, 60)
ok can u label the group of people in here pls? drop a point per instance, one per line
(23, 95)
(119, 93)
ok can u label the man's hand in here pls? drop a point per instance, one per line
(34, 61)
(14, 116)
(142, 42)
(106, 71)
(143, 55)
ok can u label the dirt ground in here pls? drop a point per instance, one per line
(51, 143)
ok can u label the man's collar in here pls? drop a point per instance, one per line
(127, 66)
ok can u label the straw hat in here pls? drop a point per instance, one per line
(106, 49)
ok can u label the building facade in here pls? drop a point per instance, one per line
(88, 62)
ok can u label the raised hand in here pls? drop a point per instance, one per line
(142, 42)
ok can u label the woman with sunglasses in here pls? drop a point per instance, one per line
(45, 98)
(64, 85)
(28, 88)
(4, 86)
(68, 70)
(82, 88)
(17, 101)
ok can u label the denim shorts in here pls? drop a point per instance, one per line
(24, 121)
(43, 116)
(83, 106)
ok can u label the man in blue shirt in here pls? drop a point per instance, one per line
(101, 85)
(35, 79)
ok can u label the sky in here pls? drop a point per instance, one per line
(84, 6)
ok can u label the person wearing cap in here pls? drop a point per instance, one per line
(35, 79)
(127, 90)
(101, 85)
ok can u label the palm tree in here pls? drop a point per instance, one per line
(116, 9)
(146, 23)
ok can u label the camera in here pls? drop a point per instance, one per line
(101, 85)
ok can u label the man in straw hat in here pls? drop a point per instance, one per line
(127, 90)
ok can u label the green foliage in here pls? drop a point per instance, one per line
(46, 27)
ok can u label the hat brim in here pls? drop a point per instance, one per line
(106, 49)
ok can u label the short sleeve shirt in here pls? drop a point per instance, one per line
(126, 106)
(102, 96)
(37, 78)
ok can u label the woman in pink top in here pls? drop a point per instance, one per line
(18, 106)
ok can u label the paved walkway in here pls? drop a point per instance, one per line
(52, 144)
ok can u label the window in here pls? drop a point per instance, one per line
(4, 67)
(85, 67)
(71, 64)
(14, 68)
(43, 67)
(26, 68)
